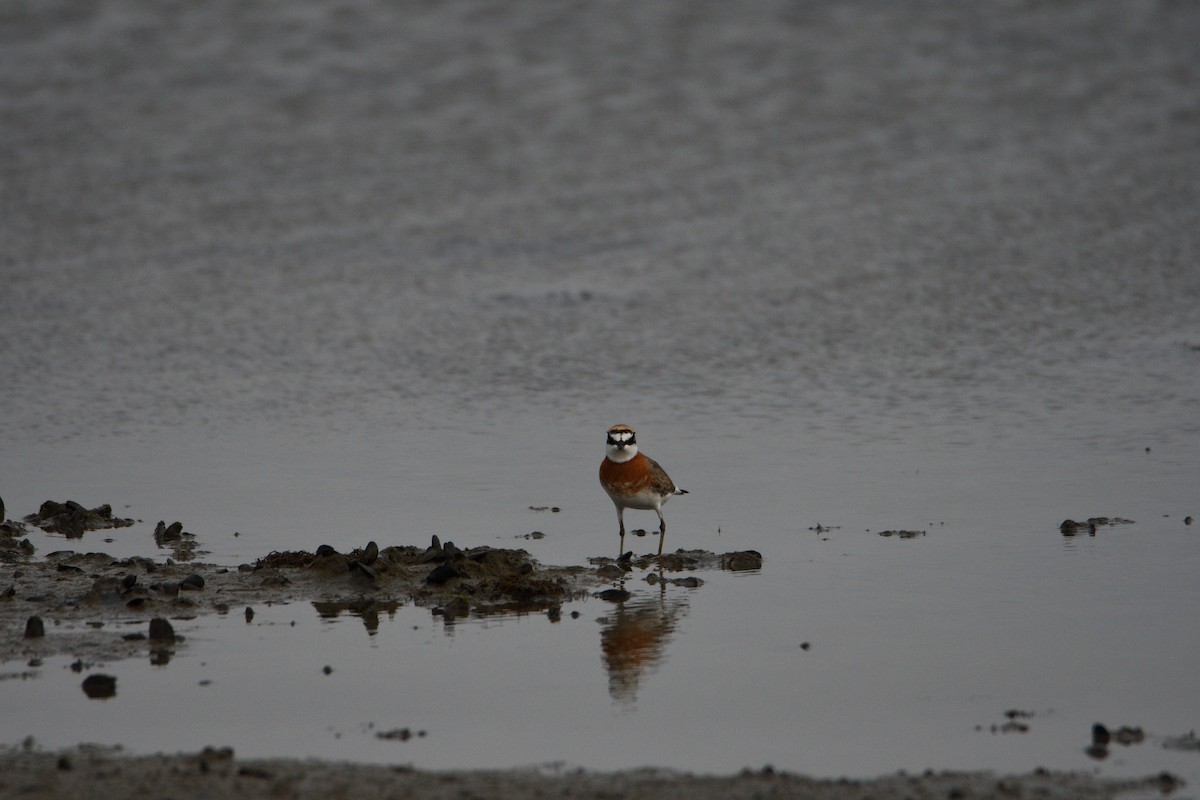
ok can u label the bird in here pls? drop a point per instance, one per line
(633, 480)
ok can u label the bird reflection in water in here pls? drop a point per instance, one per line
(634, 639)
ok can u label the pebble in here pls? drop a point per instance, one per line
(35, 628)
(192, 582)
(99, 686)
(161, 630)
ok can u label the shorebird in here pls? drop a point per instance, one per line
(634, 481)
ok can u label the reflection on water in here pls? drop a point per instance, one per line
(634, 638)
(367, 609)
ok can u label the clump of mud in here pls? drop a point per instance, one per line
(73, 520)
(1070, 527)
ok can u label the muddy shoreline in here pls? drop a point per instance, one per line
(29, 773)
(98, 608)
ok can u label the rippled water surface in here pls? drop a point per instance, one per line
(332, 274)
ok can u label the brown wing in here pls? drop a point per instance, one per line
(660, 481)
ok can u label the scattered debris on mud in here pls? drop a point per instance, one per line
(1070, 527)
(73, 520)
(95, 771)
(66, 589)
(679, 561)
(902, 534)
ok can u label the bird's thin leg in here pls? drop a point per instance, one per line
(662, 531)
(621, 519)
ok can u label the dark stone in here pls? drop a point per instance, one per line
(443, 573)
(35, 628)
(161, 630)
(614, 595)
(192, 582)
(1100, 734)
(99, 686)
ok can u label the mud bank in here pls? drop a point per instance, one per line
(28, 773)
(84, 604)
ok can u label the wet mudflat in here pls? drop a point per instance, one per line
(894, 291)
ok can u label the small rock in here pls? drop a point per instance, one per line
(443, 573)
(34, 628)
(192, 582)
(1068, 527)
(249, 614)
(99, 686)
(328, 670)
(614, 595)
(161, 630)
(1100, 735)
(1187, 520)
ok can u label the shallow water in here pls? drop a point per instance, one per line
(324, 276)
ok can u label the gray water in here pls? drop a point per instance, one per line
(323, 274)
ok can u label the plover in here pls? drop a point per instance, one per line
(634, 481)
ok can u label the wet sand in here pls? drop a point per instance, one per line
(214, 773)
